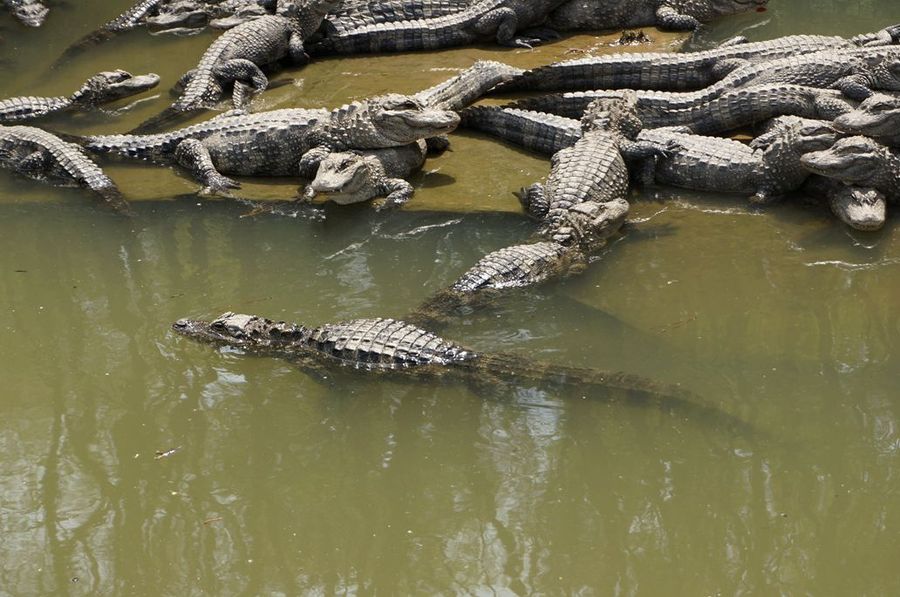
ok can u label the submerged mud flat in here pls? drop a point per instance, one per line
(135, 462)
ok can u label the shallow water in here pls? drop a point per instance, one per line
(784, 480)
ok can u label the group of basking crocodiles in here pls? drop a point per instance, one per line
(822, 108)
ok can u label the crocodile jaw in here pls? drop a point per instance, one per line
(32, 15)
(861, 209)
(344, 179)
(241, 331)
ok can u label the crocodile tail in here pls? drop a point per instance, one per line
(114, 198)
(435, 312)
(87, 42)
(167, 118)
(515, 368)
(70, 138)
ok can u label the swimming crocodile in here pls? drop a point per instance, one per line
(518, 266)
(860, 161)
(484, 19)
(360, 175)
(43, 156)
(677, 71)
(393, 347)
(287, 142)
(28, 12)
(100, 89)
(235, 58)
(877, 117)
(678, 15)
(128, 20)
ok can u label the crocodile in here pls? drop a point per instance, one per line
(592, 170)
(861, 208)
(394, 347)
(860, 161)
(766, 170)
(677, 15)
(500, 19)
(286, 142)
(742, 107)
(352, 15)
(518, 266)
(100, 89)
(674, 71)
(43, 156)
(235, 58)
(877, 117)
(357, 176)
(28, 12)
(186, 15)
(360, 175)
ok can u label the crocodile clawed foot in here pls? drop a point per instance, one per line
(219, 185)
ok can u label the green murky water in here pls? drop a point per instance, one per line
(281, 484)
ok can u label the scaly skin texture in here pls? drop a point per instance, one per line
(287, 142)
(128, 20)
(592, 170)
(352, 15)
(855, 73)
(500, 19)
(674, 71)
(181, 15)
(45, 157)
(877, 117)
(861, 208)
(679, 15)
(732, 110)
(388, 346)
(100, 89)
(353, 177)
(859, 161)
(235, 58)
(518, 266)
(29, 12)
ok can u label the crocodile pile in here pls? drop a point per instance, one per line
(819, 109)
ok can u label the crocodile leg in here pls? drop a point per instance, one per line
(296, 52)
(192, 155)
(534, 201)
(504, 21)
(669, 18)
(309, 163)
(243, 71)
(183, 81)
(35, 165)
(856, 87)
(726, 66)
(399, 192)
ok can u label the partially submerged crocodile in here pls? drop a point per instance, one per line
(877, 117)
(128, 20)
(288, 142)
(100, 89)
(29, 12)
(592, 170)
(235, 58)
(861, 208)
(389, 346)
(481, 20)
(518, 266)
(680, 71)
(43, 156)
(859, 161)
(679, 15)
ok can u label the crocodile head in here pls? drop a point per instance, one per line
(31, 13)
(618, 114)
(402, 119)
(589, 224)
(110, 86)
(243, 331)
(813, 135)
(188, 13)
(878, 116)
(859, 207)
(346, 178)
(851, 160)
